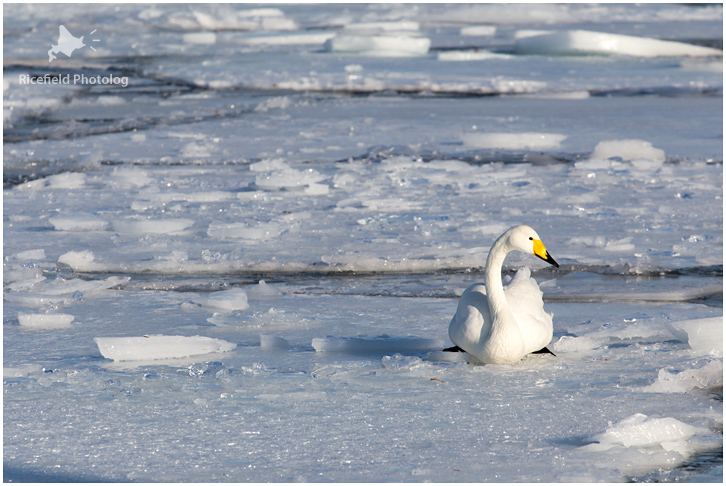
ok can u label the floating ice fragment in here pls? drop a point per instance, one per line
(21, 371)
(273, 342)
(379, 344)
(45, 321)
(706, 378)
(151, 226)
(584, 42)
(640, 431)
(296, 38)
(67, 180)
(268, 165)
(380, 45)
(513, 141)
(227, 300)
(157, 347)
(126, 177)
(702, 335)
(76, 259)
(317, 189)
(628, 149)
(262, 291)
(78, 222)
(389, 26)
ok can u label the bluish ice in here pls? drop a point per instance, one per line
(234, 237)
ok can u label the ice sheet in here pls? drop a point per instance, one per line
(274, 180)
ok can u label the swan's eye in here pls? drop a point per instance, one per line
(531, 239)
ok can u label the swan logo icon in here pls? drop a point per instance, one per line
(67, 43)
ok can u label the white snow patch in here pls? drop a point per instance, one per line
(707, 377)
(584, 42)
(379, 344)
(45, 321)
(513, 141)
(155, 347)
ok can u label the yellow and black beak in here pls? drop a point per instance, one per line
(541, 252)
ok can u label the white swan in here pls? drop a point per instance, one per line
(501, 325)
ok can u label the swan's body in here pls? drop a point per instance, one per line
(501, 325)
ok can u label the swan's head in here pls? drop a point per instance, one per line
(525, 239)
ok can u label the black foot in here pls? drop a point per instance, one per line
(455, 349)
(544, 351)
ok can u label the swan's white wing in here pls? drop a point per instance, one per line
(472, 319)
(525, 301)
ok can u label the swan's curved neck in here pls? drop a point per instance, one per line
(493, 280)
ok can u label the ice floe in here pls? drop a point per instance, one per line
(78, 222)
(628, 150)
(704, 336)
(45, 321)
(158, 347)
(707, 377)
(584, 42)
(273, 342)
(224, 301)
(640, 443)
(21, 370)
(151, 226)
(387, 45)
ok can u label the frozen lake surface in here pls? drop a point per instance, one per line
(237, 259)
